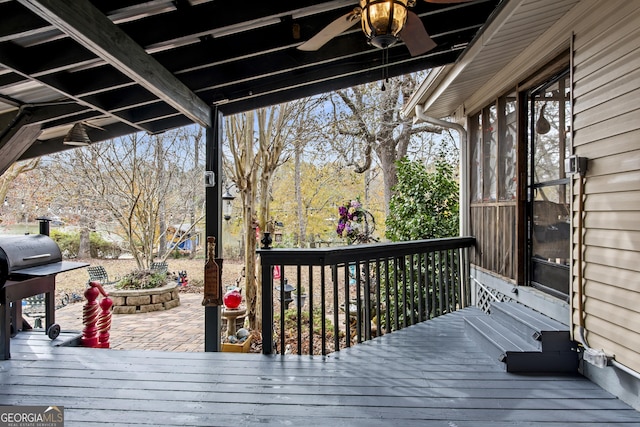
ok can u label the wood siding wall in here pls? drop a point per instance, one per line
(606, 77)
(494, 227)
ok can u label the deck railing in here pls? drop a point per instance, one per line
(354, 293)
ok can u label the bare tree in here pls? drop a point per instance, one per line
(132, 181)
(243, 171)
(11, 174)
(302, 220)
(307, 132)
(257, 142)
(367, 120)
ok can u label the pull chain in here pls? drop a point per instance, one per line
(385, 69)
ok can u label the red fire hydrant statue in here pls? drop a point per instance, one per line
(96, 323)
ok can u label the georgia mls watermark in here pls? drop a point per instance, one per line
(31, 416)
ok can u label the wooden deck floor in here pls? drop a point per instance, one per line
(426, 375)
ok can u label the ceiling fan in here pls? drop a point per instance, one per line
(384, 22)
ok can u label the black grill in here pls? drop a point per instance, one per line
(28, 266)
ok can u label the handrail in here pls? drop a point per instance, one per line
(316, 256)
(363, 290)
(486, 289)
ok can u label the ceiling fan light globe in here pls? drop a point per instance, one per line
(383, 41)
(382, 20)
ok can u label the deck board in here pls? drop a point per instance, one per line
(428, 375)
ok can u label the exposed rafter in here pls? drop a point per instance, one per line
(153, 65)
(81, 21)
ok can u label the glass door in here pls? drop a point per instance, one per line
(548, 202)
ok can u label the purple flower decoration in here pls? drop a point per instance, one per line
(353, 224)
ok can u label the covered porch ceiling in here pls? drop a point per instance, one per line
(482, 71)
(123, 66)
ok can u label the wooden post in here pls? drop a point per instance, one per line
(213, 220)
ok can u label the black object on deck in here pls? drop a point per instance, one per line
(28, 266)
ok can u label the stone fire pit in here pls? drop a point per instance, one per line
(132, 301)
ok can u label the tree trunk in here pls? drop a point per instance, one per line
(250, 223)
(162, 224)
(84, 249)
(196, 161)
(251, 287)
(389, 174)
(300, 208)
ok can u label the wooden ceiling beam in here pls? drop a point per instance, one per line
(186, 25)
(11, 59)
(320, 82)
(16, 140)
(81, 21)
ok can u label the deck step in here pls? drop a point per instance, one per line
(547, 334)
(523, 340)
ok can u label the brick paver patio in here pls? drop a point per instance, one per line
(178, 329)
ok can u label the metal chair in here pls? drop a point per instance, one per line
(159, 267)
(99, 274)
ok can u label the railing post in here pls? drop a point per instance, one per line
(267, 308)
(336, 304)
(465, 286)
(359, 306)
(323, 314)
(387, 297)
(367, 301)
(299, 309)
(412, 289)
(347, 305)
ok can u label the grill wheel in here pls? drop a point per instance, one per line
(53, 331)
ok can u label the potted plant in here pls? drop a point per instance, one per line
(142, 291)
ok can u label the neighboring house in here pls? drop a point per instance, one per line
(547, 80)
(183, 237)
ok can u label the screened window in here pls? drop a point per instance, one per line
(493, 152)
(476, 158)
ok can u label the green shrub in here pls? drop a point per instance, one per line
(142, 279)
(424, 204)
(101, 248)
(69, 242)
(177, 254)
(434, 294)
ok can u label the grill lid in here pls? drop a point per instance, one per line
(20, 251)
(28, 256)
(25, 251)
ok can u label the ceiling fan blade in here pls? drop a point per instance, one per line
(332, 30)
(415, 36)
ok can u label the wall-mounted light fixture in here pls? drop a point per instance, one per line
(227, 198)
